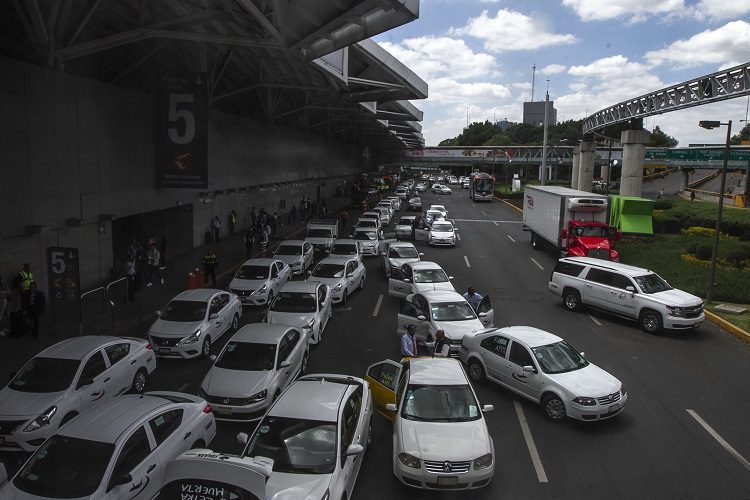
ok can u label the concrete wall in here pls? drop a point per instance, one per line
(75, 148)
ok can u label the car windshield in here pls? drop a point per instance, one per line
(652, 283)
(435, 214)
(344, 249)
(430, 276)
(370, 216)
(289, 250)
(592, 231)
(559, 357)
(443, 228)
(184, 311)
(452, 311)
(294, 302)
(65, 467)
(318, 233)
(252, 273)
(45, 375)
(247, 356)
(403, 253)
(483, 185)
(405, 222)
(438, 208)
(367, 223)
(440, 403)
(323, 270)
(295, 445)
(365, 235)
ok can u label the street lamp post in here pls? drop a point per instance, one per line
(715, 249)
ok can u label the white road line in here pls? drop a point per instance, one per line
(377, 305)
(495, 222)
(535, 459)
(537, 263)
(183, 387)
(510, 238)
(720, 439)
(458, 236)
(467, 261)
(483, 212)
(599, 323)
(473, 205)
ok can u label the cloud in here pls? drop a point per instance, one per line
(510, 31)
(447, 90)
(432, 57)
(718, 10)
(721, 47)
(553, 69)
(636, 10)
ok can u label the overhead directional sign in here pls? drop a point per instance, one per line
(698, 154)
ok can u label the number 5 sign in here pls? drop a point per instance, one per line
(182, 116)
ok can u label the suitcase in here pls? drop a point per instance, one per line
(17, 324)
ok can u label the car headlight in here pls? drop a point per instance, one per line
(676, 311)
(584, 401)
(337, 288)
(310, 325)
(262, 289)
(409, 460)
(42, 420)
(483, 462)
(191, 339)
(256, 398)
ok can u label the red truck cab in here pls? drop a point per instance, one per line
(590, 239)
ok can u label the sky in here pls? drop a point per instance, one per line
(478, 55)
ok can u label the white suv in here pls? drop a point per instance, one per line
(627, 291)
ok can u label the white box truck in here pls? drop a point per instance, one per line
(575, 222)
(321, 233)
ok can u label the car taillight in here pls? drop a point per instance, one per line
(149, 346)
(207, 409)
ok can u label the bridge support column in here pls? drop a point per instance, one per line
(684, 179)
(633, 150)
(605, 173)
(586, 167)
(576, 164)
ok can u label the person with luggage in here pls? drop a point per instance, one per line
(32, 303)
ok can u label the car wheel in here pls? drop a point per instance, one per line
(344, 297)
(362, 283)
(651, 321)
(67, 418)
(476, 372)
(206, 349)
(571, 299)
(235, 322)
(139, 381)
(553, 407)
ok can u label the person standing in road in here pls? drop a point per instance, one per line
(409, 342)
(344, 219)
(232, 221)
(263, 242)
(473, 298)
(253, 217)
(25, 278)
(248, 244)
(163, 252)
(442, 348)
(209, 267)
(216, 224)
(32, 303)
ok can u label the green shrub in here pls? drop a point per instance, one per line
(703, 251)
(668, 225)
(663, 204)
(692, 247)
(736, 256)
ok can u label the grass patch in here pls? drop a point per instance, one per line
(663, 254)
(740, 320)
(684, 214)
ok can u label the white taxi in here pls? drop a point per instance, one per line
(398, 253)
(258, 280)
(305, 305)
(344, 275)
(297, 254)
(415, 277)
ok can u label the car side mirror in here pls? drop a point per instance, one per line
(212, 357)
(350, 275)
(390, 407)
(120, 480)
(85, 382)
(285, 364)
(158, 313)
(482, 314)
(242, 438)
(630, 289)
(354, 449)
(583, 354)
(487, 408)
(213, 316)
(450, 277)
(529, 369)
(421, 318)
(421, 254)
(309, 273)
(407, 280)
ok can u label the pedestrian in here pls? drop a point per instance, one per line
(132, 248)
(163, 252)
(253, 217)
(130, 275)
(232, 222)
(293, 215)
(313, 210)
(248, 243)
(209, 267)
(153, 265)
(263, 242)
(4, 306)
(409, 342)
(442, 348)
(273, 221)
(216, 224)
(661, 193)
(473, 298)
(25, 278)
(151, 240)
(32, 304)
(692, 195)
(323, 209)
(344, 218)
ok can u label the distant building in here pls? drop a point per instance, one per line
(533, 113)
(504, 124)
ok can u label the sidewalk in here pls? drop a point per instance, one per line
(129, 318)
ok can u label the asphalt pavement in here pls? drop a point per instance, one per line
(682, 435)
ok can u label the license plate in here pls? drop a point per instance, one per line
(222, 411)
(614, 408)
(448, 480)
(164, 350)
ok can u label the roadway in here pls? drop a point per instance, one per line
(656, 447)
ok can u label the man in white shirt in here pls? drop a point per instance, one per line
(442, 347)
(473, 298)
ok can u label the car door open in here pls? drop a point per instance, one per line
(398, 284)
(382, 378)
(485, 313)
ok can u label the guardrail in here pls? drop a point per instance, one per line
(108, 305)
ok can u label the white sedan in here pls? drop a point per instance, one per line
(369, 240)
(192, 321)
(345, 247)
(65, 380)
(442, 233)
(415, 277)
(344, 275)
(297, 254)
(440, 436)
(258, 280)
(404, 226)
(253, 369)
(117, 450)
(447, 311)
(398, 253)
(316, 433)
(544, 368)
(305, 305)
(445, 189)
(441, 209)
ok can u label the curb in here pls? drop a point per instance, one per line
(726, 325)
(509, 204)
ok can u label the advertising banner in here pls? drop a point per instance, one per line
(182, 130)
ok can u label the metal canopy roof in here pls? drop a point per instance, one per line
(302, 64)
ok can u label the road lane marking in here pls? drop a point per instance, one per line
(458, 236)
(535, 459)
(184, 387)
(377, 305)
(483, 212)
(537, 263)
(473, 205)
(495, 222)
(594, 320)
(511, 238)
(720, 439)
(467, 261)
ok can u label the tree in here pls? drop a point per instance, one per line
(660, 139)
(744, 135)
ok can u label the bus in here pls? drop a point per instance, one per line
(481, 186)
